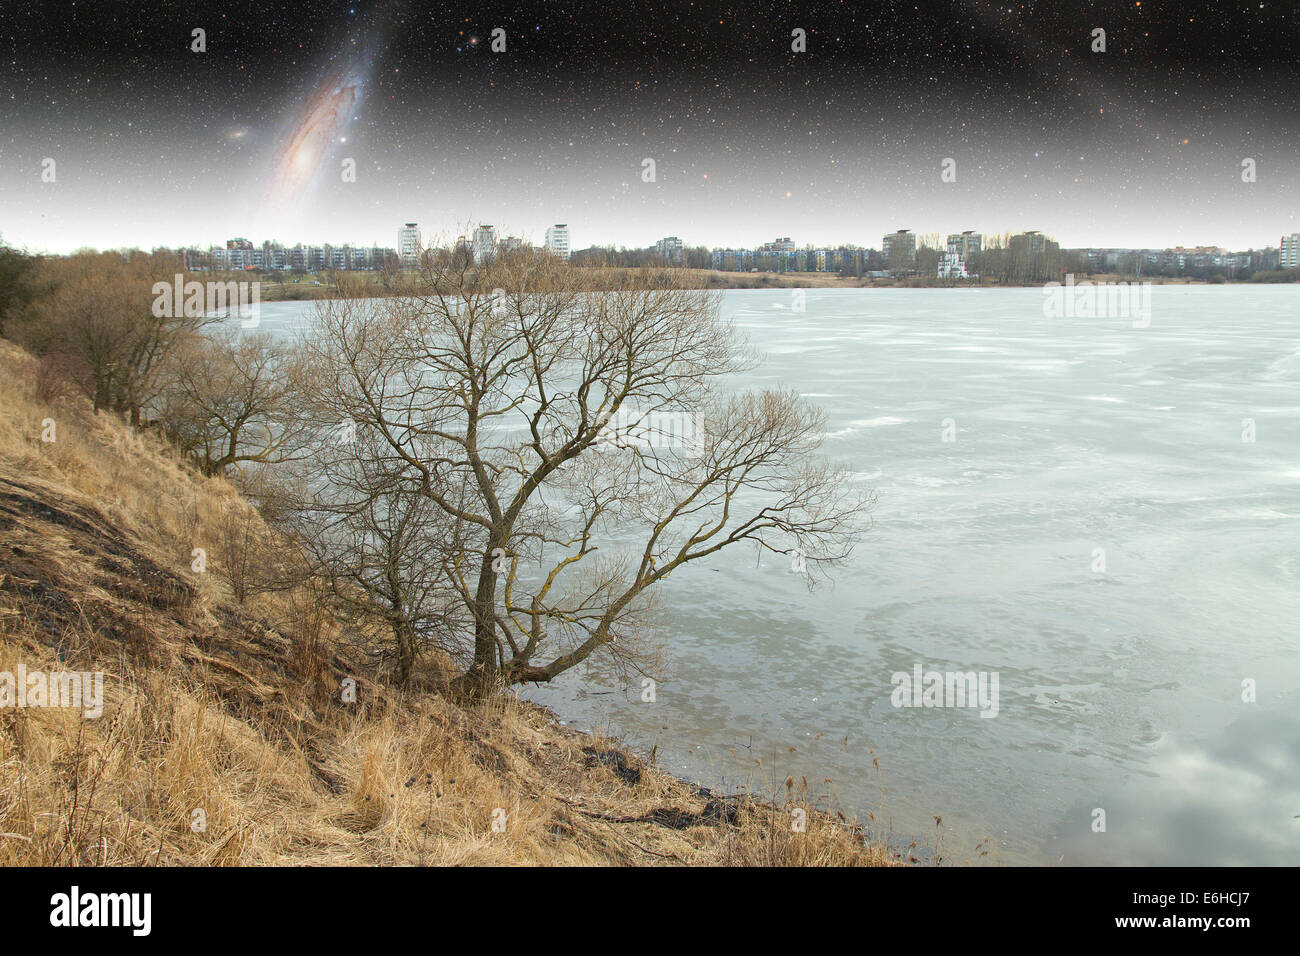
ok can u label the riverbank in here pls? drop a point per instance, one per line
(245, 723)
(276, 288)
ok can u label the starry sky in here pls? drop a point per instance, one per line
(157, 145)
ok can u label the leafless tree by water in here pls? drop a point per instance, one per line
(508, 447)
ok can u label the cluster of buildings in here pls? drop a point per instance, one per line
(240, 255)
(780, 255)
(482, 246)
(1027, 255)
(1031, 253)
(897, 256)
(963, 255)
(1180, 260)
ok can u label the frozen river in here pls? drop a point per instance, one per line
(1113, 529)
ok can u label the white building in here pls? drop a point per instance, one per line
(951, 266)
(1289, 255)
(485, 244)
(557, 240)
(967, 245)
(408, 243)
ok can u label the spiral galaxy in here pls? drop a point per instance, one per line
(320, 124)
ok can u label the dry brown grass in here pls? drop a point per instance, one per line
(232, 707)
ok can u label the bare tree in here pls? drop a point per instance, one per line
(381, 545)
(233, 397)
(579, 445)
(99, 308)
(15, 277)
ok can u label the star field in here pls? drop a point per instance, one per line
(1140, 145)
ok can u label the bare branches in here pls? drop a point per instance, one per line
(571, 444)
(99, 308)
(231, 398)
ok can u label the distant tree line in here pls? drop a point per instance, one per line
(693, 257)
(224, 396)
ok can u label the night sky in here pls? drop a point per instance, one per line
(1139, 146)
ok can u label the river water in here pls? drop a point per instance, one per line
(1104, 515)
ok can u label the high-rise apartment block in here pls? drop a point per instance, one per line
(485, 244)
(899, 249)
(966, 246)
(557, 240)
(669, 249)
(1289, 252)
(408, 243)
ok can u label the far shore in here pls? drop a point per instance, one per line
(282, 288)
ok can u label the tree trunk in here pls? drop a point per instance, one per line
(482, 677)
(405, 635)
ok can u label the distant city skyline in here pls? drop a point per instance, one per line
(334, 120)
(49, 234)
(446, 237)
